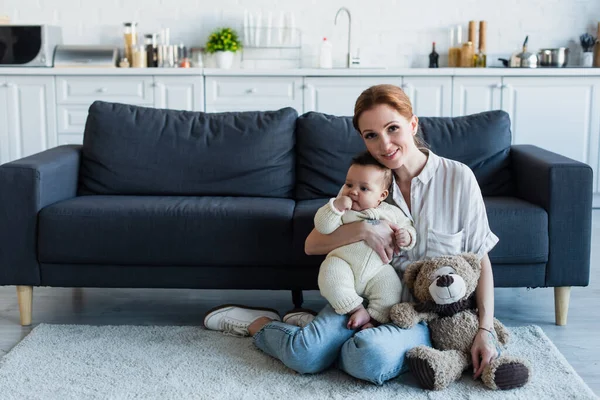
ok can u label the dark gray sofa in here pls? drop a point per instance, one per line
(174, 199)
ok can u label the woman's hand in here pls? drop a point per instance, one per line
(483, 351)
(379, 236)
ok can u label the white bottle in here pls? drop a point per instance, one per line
(326, 56)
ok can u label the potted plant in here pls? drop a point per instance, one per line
(223, 43)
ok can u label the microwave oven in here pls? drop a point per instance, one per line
(28, 45)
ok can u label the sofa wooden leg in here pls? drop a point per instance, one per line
(561, 304)
(25, 297)
(297, 298)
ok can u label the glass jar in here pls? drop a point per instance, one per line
(130, 38)
(138, 55)
(151, 43)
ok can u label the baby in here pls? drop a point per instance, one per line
(354, 270)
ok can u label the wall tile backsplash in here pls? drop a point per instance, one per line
(388, 32)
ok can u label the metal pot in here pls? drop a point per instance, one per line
(558, 57)
(522, 59)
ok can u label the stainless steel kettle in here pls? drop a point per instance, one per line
(522, 59)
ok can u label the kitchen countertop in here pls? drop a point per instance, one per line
(365, 72)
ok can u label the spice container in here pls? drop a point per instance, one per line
(480, 59)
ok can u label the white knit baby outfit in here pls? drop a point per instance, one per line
(354, 270)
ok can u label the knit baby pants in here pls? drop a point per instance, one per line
(342, 286)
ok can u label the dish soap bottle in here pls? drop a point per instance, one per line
(326, 55)
(433, 58)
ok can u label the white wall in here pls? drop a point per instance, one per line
(390, 32)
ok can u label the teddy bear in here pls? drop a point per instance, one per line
(444, 291)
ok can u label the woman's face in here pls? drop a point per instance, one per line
(389, 136)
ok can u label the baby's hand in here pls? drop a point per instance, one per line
(343, 203)
(402, 237)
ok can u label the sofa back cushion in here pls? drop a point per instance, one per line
(325, 145)
(146, 151)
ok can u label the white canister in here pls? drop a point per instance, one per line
(326, 54)
(587, 59)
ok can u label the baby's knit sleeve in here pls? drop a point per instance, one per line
(328, 218)
(396, 215)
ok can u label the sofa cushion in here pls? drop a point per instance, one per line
(325, 145)
(481, 141)
(137, 150)
(143, 230)
(522, 228)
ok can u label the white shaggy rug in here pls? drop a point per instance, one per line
(150, 362)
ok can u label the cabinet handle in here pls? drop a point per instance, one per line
(498, 86)
(102, 90)
(506, 86)
(251, 91)
(407, 86)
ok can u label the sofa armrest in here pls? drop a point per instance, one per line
(26, 186)
(563, 187)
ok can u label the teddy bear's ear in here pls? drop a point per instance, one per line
(411, 273)
(473, 261)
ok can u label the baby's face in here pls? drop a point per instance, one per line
(365, 186)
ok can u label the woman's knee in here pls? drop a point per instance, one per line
(367, 360)
(377, 355)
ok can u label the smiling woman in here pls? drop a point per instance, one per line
(441, 198)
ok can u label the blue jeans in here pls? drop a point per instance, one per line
(373, 355)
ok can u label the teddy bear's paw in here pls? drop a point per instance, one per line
(435, 369)
(506, 373)
(423, 372)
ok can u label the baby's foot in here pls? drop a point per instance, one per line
(358, 318)
(371, 324)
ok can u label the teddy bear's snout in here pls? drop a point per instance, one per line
(444, 281)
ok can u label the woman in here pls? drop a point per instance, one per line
(443, 200)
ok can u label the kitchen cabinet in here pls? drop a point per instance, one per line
(227, 93)
(337, 95)
(27, 116)
(430, 96)
(556, 113)
(472, 95)
(179, 93)
(75, 94)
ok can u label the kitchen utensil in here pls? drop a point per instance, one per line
(558, 57)
(587, 42)
(522, 59)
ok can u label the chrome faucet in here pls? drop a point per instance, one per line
(350, 61)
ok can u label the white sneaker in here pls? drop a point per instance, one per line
(299, 318)
(234, 320)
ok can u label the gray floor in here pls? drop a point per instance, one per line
(579, 341)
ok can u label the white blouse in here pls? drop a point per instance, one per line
(447, 211)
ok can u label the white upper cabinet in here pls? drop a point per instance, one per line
(27, 116)
(430, 96)
(558, 114)
(179, 93)
(472, 95)
(337, 95)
